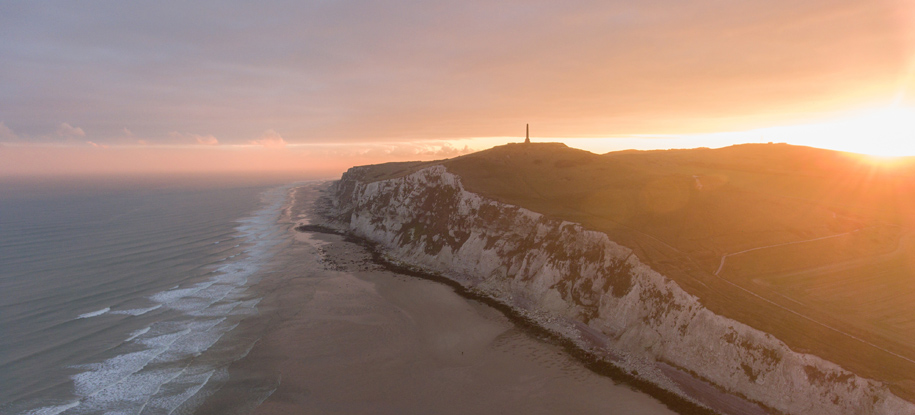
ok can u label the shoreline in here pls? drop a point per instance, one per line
(530, 326)
(282, 373)
(560, 274)
(664, 379)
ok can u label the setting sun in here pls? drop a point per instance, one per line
(887, 132)
(881, 133)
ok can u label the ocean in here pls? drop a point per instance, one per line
(114, 298)
(165, 297)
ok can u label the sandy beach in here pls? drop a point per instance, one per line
(340, 334)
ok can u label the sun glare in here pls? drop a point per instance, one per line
(884, 133)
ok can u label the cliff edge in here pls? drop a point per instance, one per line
(581, 284)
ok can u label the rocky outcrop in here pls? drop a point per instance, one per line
(583, 285)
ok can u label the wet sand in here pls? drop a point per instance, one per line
(338, 334)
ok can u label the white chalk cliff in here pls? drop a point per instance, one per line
(580, 283)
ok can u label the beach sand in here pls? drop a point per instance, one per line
(339, 334)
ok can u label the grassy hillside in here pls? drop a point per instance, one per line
(813, 246)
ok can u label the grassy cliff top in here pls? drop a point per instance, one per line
(811, 245)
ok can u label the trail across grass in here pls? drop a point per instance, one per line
(725, 256)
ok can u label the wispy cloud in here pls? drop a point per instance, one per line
(6, 134)
(412, 150)
(383, 152)
(65, 130)
(190, 138)
(380, 71)
(128, 137)
(208, 140)
(270, 139)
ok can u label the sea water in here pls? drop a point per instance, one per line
(119, 299)
(145, 300)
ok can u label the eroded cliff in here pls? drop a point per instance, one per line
(583, 285)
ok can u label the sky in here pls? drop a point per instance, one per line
(113, 87)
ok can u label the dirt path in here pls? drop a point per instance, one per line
(725, 256)
(796, 312)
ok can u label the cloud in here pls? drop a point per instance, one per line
(96, 145)
(66, 130)
(127, 137)
(415, 150)
(207, 140)
(6, 134)
(270, 139)
(397, 70)
(447, 151)
(190, 138)
(383, 152)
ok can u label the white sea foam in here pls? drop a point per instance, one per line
(108, 373)
(239, 308)
(95, 313)
(125, 382)
(137, 333)
(164, 341)
(213, 310)
(200, 343)
(158, 388)
(134, 387)
(166, 373)
(169, 296)
(52, 410)
(204, 299)
(249, 304)
(190, 385)
(137, 311)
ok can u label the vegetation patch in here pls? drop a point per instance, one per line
(826, 378)
(764, 355)
(660, 305)
(617, 277)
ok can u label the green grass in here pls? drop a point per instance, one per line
(682, 210)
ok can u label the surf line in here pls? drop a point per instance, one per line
(94, 313)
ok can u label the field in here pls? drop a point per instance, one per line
(813, 246)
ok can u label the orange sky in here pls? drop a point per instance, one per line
(315, 87)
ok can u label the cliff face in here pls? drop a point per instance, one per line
(585, 286)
